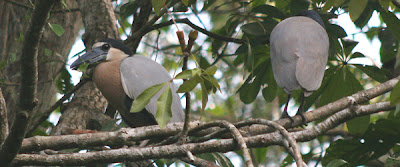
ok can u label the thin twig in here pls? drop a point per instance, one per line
(202, 30)
(199, 162)
(47, 113)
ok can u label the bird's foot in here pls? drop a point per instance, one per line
(303, 119)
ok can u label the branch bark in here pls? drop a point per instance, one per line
(29, 72)
(175, 150)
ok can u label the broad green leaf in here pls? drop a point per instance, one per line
(213, 81)
(336, 30)
(380, 137)
(189, 84)
(395, 95)
(337, 3)
(357, 55)
(143, 99)
(356, 7)
(269, 93)
(249, 91)
(344, 83)
(211, 70)
(374, 72)
(384, 4)
(185, 2)
(204, 96)
(164, 113)
(158, 5)
(270, 11)
(260, 154)
(184, 74)
(83, 67)
(56, 28)
(328, 5)
(359, 125)
(392, 22)
(337, 163)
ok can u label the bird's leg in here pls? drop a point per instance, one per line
(285, 114)
(300, 111)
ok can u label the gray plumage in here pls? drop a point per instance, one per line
(122, 77)
(299, 53)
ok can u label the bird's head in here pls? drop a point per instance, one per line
(105, 50)
(313, 15)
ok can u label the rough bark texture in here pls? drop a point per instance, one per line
(3, 119)
(14, 18)
(88, 104)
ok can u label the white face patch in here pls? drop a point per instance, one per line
(116, 54)
(98, 44)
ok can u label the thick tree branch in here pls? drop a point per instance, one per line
(326, 110)
(29, 72)
(3, 119)
(204, 31)
(174, 150)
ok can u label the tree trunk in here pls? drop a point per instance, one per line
(53, 52)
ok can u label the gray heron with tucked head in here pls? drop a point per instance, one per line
(299, 54)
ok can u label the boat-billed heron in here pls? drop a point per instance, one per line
(121, 76)
(299, 53)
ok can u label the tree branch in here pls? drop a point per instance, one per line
(134, 40)
(204, 31)
(47, 113)
(29, 72)
(174, 150)
(3, 119)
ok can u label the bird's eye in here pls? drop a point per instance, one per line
(105, 47)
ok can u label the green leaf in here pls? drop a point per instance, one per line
(376, 141)
(158, 5)
(392, 22)
(143, 99)
(395, 95)
(211, 70)
(336, 30)
(384, 4)
(164, 111)
(337, 163)
(189, 84)
(249, 91)
(213, 81)
(270, 11)
(356, 8)
(260, 154)
(185, 2)
(359, 125)
(374, 72)
(337, 3)
(184, 74)
(204, 96)
(56, 28)
(344, 83)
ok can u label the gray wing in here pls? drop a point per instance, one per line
(299, 52)
(139, 73)
(283, 59)
(312, 61)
